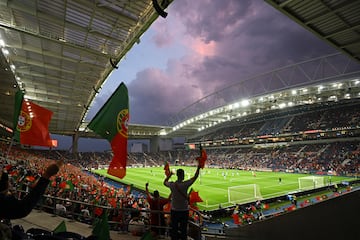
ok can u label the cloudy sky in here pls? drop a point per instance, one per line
(204, 46)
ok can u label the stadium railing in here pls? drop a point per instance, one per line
(73, 212)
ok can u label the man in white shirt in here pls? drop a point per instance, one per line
(179, 203)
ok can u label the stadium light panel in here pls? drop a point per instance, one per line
(293, 92)
(282, 105)
(245, 103)
(162, 132)
(5, 51)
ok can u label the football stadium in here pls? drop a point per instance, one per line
(273, 156)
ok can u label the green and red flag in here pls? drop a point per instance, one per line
(31, 122)
(111, 123)
(67, 185)
(101, 227)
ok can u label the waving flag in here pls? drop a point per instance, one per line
(101, 227)
(67, 185)
(167, 169)
(111, 122)
(31, 122)
(194, 197)
(202, 158)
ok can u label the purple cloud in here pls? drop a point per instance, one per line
(227, 41)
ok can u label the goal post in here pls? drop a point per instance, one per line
(311, 182)
(244, 193)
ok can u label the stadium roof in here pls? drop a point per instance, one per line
(61, 52)
(330, 78)
(335, 22)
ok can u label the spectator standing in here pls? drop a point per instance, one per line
(157, 219)
(179, 203)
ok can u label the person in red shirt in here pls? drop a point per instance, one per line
(157, 219)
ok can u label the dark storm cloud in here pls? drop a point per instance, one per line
(264, 40)
(241, 39)
(208, 19)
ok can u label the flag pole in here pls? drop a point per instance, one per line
(9, 148)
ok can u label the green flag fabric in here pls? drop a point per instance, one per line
(147, 236)
(101, 227)
(111, 123)
(31, 122)
(60, 228)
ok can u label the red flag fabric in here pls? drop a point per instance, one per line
(67, 185)
(30, 178)
(194, 197)
(265, 206)
(236, 218)
(111, 122)
(167, 169)
(202, 158)
(33, 123)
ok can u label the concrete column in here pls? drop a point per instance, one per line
(155, 144)
(75, 139)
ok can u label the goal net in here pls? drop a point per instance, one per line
(311, 182)
(244, 193)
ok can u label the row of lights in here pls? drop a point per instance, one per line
(6, 53)
(246, 103)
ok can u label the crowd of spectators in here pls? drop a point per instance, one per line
(340, 158)
(299, 119)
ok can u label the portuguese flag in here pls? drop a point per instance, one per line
(31, 122)
(167, 169)
(111, 123)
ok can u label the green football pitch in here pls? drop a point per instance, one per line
(213, 184)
